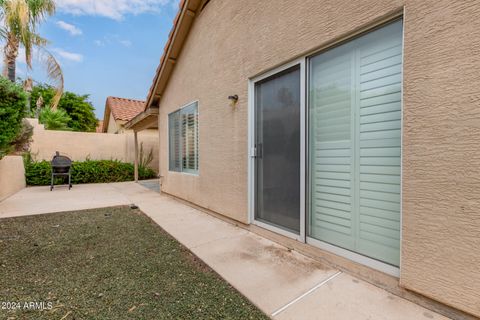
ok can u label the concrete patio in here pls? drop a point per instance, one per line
(282, 283)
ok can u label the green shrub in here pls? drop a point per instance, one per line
(13, 101)
(80, 110)
(90, 171)
(78, 107)
(54, 119)
(38, 173)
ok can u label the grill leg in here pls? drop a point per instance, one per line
(51, 183)
(69, 181)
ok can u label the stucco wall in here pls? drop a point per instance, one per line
(232, 41)
(12, 176)
(112, 124)
(96, 146)
(115, 126)
(441, 150)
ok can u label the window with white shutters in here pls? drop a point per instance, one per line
(183, 139)
(355, 94)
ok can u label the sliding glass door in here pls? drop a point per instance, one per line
(345, 166)
(355, 103)
(277, 144)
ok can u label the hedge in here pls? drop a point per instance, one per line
(90, 171)
(13, 101)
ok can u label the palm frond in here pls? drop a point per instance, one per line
(38, 40)
(17, 15)
(54, 73)
(30, 42)
(40, 9)
(28, 46)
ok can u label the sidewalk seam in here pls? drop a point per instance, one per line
(306, 294)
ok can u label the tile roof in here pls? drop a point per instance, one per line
(124, 109)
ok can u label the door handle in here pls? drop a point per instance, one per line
(257, 151)
(253, 152)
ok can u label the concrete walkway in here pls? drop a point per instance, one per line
(282, 283)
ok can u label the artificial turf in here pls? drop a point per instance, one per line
(110, 263)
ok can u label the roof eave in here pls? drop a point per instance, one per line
(182, 24)
(147, 119)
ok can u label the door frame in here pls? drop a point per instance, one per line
(251, 153)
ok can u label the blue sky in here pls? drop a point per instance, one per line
(107, 47)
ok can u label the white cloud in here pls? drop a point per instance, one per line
(70, 28)
(71, 56)
(125, 43)
(114, 9)
(112, 39)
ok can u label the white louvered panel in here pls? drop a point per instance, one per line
(183, 139)
(331, 127)
(175, 144)
(379, 150)
(355, 144)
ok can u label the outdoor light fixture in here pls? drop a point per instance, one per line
(233, 100)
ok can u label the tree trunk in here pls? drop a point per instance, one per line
(11, 54)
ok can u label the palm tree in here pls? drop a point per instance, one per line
(20, 19)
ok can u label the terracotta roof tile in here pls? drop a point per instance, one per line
(125, 109)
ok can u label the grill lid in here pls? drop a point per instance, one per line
(61, 161)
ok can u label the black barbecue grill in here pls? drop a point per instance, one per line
(61, 167)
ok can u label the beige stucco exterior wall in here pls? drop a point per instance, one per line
(115, 126)
(441, 152)
(232, 41)
(12, 176)
(95, 146)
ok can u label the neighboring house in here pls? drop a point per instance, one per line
(119, 111)
(348, 130)
(99, 128)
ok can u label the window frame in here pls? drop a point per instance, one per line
(192, 172)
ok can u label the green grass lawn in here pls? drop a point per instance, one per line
(111, 263)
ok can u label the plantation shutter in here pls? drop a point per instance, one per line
(355, 141)
(378, 151)
(332, 140)
(183, 139)
(190, 138)
(175, 143)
